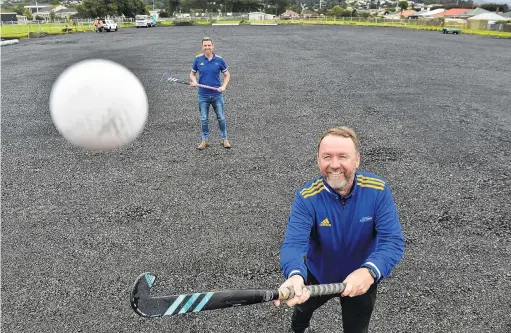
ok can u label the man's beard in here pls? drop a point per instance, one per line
(339, 185)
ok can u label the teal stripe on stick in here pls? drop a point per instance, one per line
(174, 305)
(189, 303)
(203, 302)
(150, 279)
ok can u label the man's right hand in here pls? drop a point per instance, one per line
(193, 83)
(301, 294)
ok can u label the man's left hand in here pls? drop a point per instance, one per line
(220, 89)
(357, 283)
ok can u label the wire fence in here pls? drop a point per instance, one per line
(59, 25)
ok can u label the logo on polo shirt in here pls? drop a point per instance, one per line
(202, 64)
(325, 223)
(366, 219)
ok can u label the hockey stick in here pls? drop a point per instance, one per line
(168, 78)
(146, 306)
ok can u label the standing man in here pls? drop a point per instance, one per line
(343, 227)
(209, 65)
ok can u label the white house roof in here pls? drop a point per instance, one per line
(34, 7)
(488, 16)
(426, 13)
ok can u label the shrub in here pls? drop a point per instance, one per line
(183, 23)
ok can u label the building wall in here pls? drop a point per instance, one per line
(9, 17)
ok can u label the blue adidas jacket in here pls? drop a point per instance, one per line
(334, 236)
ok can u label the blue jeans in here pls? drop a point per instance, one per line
(217, 101)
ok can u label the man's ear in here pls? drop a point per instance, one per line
(358, 160)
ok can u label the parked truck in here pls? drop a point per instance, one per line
(145, 21)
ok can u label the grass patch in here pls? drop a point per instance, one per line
(21, 31)
(488, 33)
(228, 21)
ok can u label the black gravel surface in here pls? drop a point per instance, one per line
(433, 115)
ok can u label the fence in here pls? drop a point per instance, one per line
(87, 24)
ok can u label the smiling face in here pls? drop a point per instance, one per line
(338, 159)
(207, 47)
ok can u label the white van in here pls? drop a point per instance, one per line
(145, 21)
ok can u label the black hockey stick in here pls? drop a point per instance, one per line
(146, 306)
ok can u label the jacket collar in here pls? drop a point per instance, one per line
(333, 192)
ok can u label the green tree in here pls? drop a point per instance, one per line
(403, 5)
(172, 6)
(492, 7)
(336, 11)
(186, 6)
(277, 6)
(19, 10)
(295, 8)
(92, 8)
(28, 14)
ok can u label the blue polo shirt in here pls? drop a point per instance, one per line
(209, 72)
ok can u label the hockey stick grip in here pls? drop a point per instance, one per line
(207, 87)
(314, 290)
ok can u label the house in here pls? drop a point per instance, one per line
(8, 17)
(397, 14)
(452, 13)
(425, 14)
(260, 16)
(473, 12)
(63, 12)
(484, 20)
(37, 9)
(289, 14)
(22, 19)
(155, 13)
(488, 17)
(309, 13)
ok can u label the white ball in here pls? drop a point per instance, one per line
(98, 105)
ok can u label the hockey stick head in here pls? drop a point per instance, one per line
(165, 77)
(141, 291)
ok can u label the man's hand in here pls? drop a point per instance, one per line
(193, 83)
(301, 294)
(220, 89)
(357, 283)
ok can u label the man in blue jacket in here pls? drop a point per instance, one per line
(343, 227)
(209, 65)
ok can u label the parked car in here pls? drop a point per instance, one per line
(105, 25)
(110, 25)
(454, 31)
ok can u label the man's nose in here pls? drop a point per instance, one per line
(335, 163)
